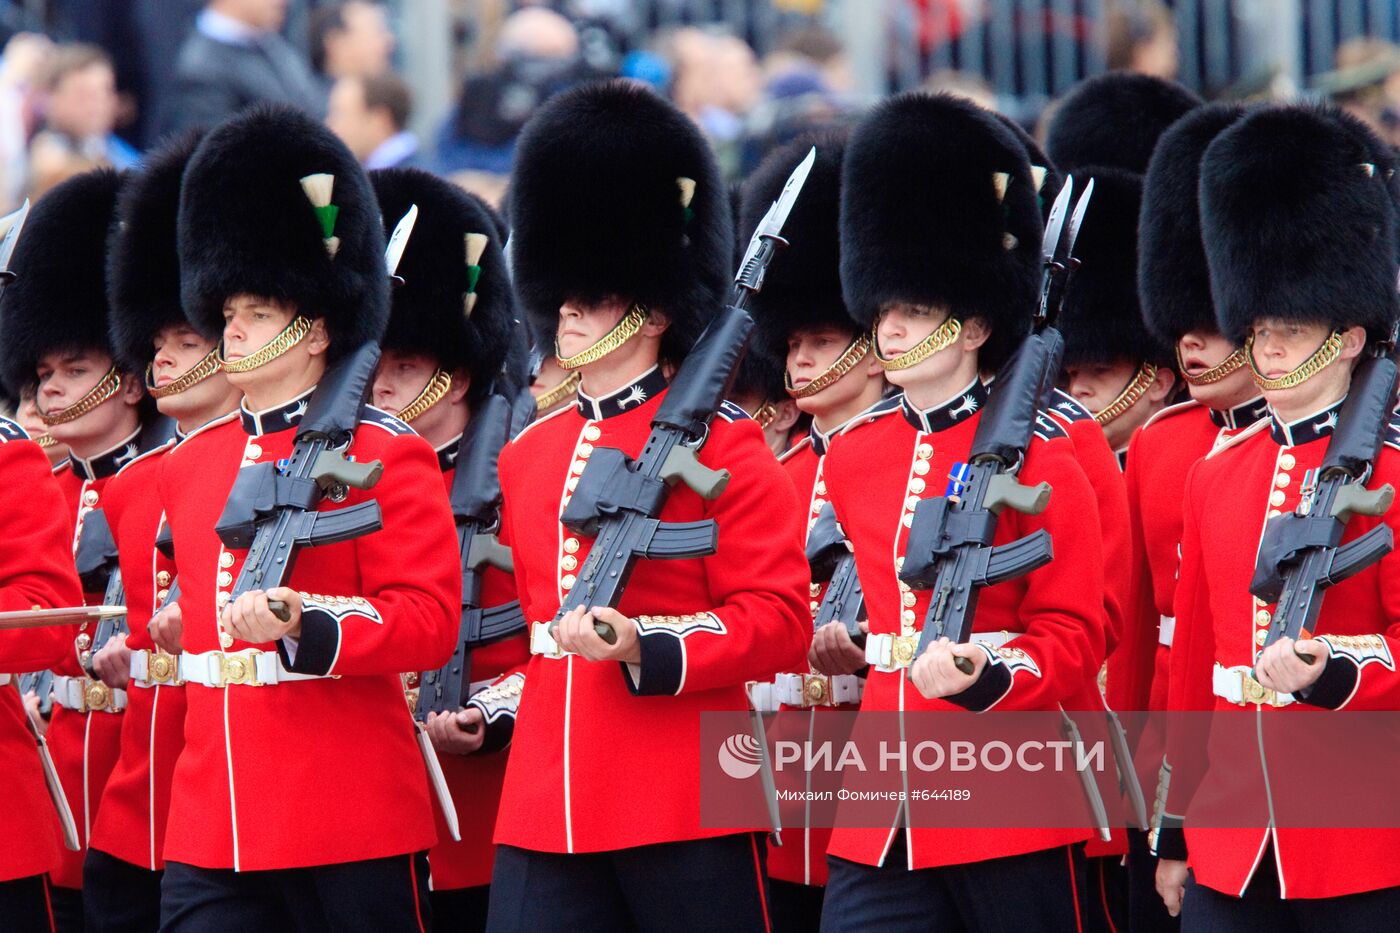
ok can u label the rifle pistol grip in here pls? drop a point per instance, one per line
(1003, 491)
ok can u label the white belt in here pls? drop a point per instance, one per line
(806, 690)
(895, 652)
(1238, 686)
(152, 668)
(83, 695)
(1165, 630)
(542, 641)
(250, 668)
(761, 696)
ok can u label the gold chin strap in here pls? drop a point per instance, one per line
(293, 334)
(106, 387)
(434, 392)
(1222, 369)
(193, 376)
(765, 414)
(940, 339)
(623, 331)
(1322, 357)
(1129, 397)
(847, 361)
(548, 399)
(45, 441)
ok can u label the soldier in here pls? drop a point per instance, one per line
(1299, 233)
(55, 337)
(449, 329)
(940, 240)
(620, 242)
(281, 246)
(27, 416)
(149, 334)
(1114, 120)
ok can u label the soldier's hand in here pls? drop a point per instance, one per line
(113, 663)
(1171, 884)
(935, 674)
(1279, 667)
(833, 652)
(167, 629)
(248, 617)
(576, 634)
(459, 733)
(32, 709)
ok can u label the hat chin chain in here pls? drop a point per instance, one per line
(941, 339)
(1130, 396)
(1322, 357)
(106, 388)
(435, 391)
(293, 334)
(623, 331)
(844, 364)
(193, 376)
(551, 397)
(1216, 373)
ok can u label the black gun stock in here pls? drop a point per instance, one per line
(833, 562)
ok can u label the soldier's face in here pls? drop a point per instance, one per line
(1201, 351)
(1096, 385)
(400, 378)
(178, 350)
(1282, 346)
(902, 326)
(64, 379)
(581, 326)
(28, 417)
(811, 352)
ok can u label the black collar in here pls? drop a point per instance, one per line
(447, 454)
(644, 387)
(278, 418)
(108, 462)
(941, 417)
(1242, 415)
(1319, 424)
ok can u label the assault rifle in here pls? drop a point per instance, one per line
(96, 561)
(831, 559)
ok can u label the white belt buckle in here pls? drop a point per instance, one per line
(543, 643)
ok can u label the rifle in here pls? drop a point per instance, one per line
(618, 499)
(1301, 553)
(950, 540)
(831, 559)
(96, 561)
(476, 506)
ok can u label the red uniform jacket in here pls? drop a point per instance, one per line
(875, 474)
(1229, 496)
(85, 746)
(321, 771)
(603, 758)
(36, 570)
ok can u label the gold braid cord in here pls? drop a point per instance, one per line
(765, 414)
(940, 339)
(548, 399)
(623, 331)
(45, 440)
(1222, 369)
(847, 361)
(193, 376)
(1323, 357)
(434, 392)
(106, 387)
(293, 334)
(1129, 396)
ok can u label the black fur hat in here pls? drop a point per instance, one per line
(143, 261)
(248, 226)
(431, 314)
(1173, 281)
(616, 193)
(803, 285)
(922, 219)
(1042, 167)
(1115, 119)
(58, 300)
(1298, 223)
(1100, 318)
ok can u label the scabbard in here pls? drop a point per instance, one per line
(54, 785)
(438, 780)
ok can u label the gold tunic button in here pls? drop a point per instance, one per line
(225, 578)
(1274, 513)
(1260, 635)
(571, 545)
(90, 497)
(1259, 602)
(161, 595)
(585, 450)
(567, 581)
(578, 466)
(899, 563)
(908, 616)
(163, 578)
(917, 485)
(225, 640)
(908, 598)
(911, 503)
(921, 467)
(1276, 498)
(252, 451)
(592, 432)
(907, 520)
(571, 483)
(821, 487)
(924, 451)
(815, 606)
(225, 559)
(1282, 480)
(1287, 461)
(223, 599)
(569, 562)
(1262, 617)
(815, 589)
(83, 642)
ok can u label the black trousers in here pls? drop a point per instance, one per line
(1040, 892)
(119, 897)
(460, 911)
(702, 884)
(793, 907)
(1261, 910)
(384, 895)
(1104, 904)
(67, 904)
(1146, 912)
(25, 906)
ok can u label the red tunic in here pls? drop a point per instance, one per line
(601, 760)
(874, 473)
(36, 570)
(1229, 496)
(320, 771)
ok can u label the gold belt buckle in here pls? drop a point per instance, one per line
(96, 695)
(816, 690)
(902, 651)
(240, 669)
(1253, 691)
(161, 668)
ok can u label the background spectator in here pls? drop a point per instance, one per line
(80, 115)
(1142, 38)
(1366, 84)
(26, 63)
(350, 38)
(370, 114)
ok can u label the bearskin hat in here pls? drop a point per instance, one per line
(256, 217)
(616, 193)
(143, 261)
(1115, 119)
(1100, 317)
(1042, 168)
(1298, 223)
(1173, 281)
(433, 311)
(803, 285)
(938, 207)
(58, 300)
